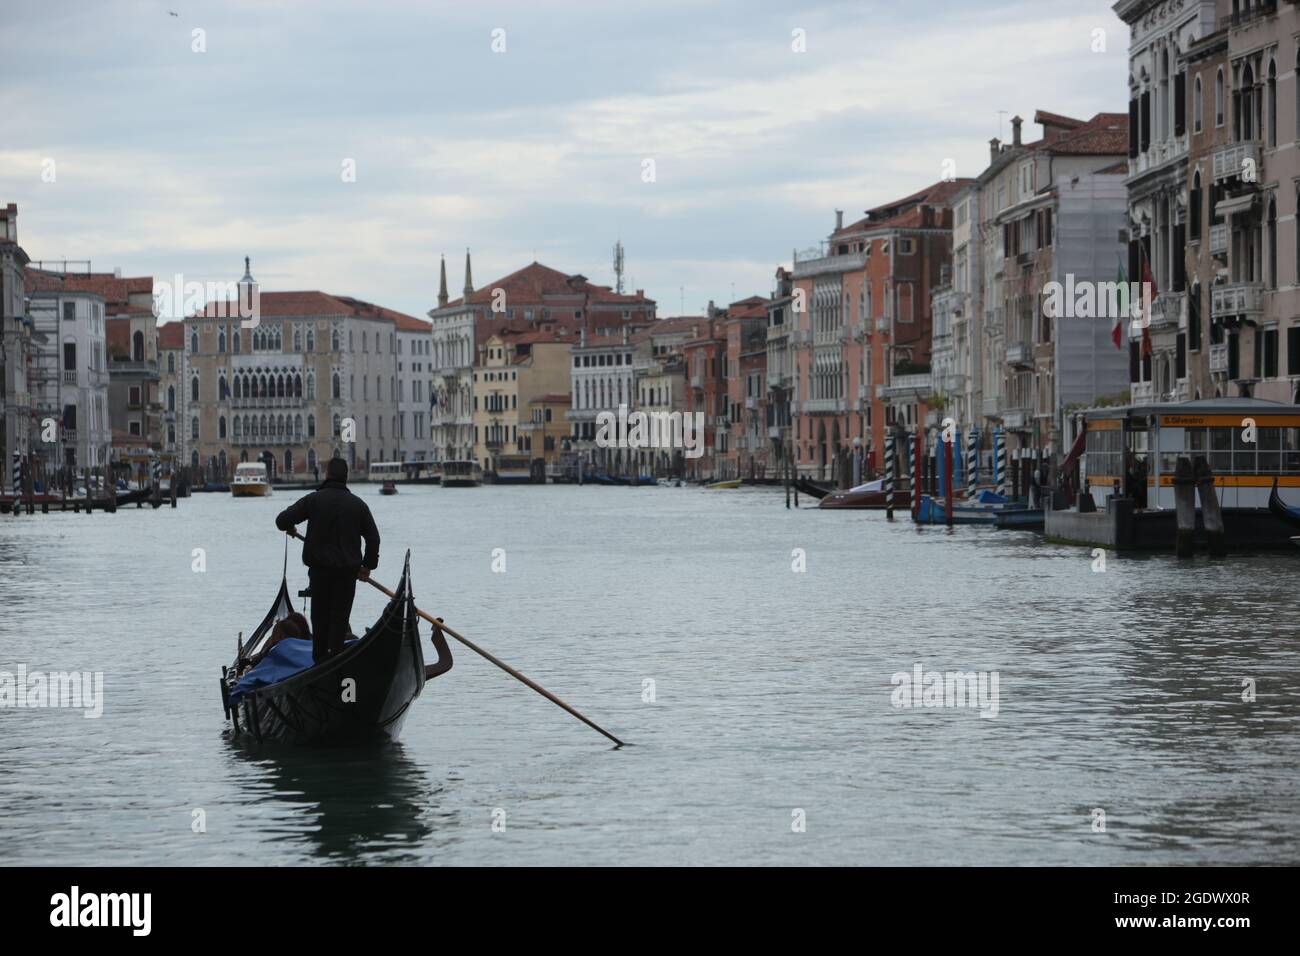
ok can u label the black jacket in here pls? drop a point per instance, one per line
(337, 520)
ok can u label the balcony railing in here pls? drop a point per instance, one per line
(69, 377)
(263, 401)
(825, 406)
(1016, 417)
(1219, 358)
(817, 264)
(1237, 298)
(1143, 393)
(270, 438)
(882, 323)
(1261, 8)
(1167, 311)
(1230, 161)
(917, 385)
(1219, 240)
(1020, 354)
(751, 402)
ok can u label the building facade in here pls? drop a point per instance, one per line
(535, 298)
(70, 373)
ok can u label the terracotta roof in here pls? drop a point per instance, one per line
(906, 211)
(1044, 118)
(116, 292)
(171, 335)
(1106, 134)
(368, 310)
(536, 336)
(277, 305)
(284, 305)
(529, 285)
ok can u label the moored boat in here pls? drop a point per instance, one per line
(1281, 509)
(733, 483)
(870, 495)
(274, 702)
(461, 474)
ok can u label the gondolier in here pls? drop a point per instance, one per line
(337, 522)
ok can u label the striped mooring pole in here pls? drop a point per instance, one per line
(891, 468)
(973, 463)
(1000, 460)
(914, 464)
(18, 476)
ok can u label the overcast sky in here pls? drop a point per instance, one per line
(167, 160)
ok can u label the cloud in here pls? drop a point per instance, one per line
(170, 160)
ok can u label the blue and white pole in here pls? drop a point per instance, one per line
(972, 463)
(1000, 460)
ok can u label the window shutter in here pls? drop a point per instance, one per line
(1133, 128)
(1180, 104)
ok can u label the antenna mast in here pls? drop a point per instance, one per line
(618, 267)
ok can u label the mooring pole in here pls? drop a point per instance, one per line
(890, 469)
(947, 477)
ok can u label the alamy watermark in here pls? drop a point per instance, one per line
(83, 690)
(684, 430)
(1085, 299)
(923, 688)
(176, 299)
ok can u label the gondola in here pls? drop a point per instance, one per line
(315, 707)
(1281, 509)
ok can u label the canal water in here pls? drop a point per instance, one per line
(1159, 701)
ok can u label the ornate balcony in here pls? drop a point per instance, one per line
(1020, 354)
(1167, 310)
(1219, 240)
(1016, 417)
(1219, 359)
(1234, 160)
(1236, 299)
(1142, 393)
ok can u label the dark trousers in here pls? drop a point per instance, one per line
(332, 591)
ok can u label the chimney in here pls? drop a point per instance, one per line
(994, 147)
(625, 334)
(442, 285)
(582, 337)
(1016, 121)
(839, 219)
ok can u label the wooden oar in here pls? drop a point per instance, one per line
(437, 622)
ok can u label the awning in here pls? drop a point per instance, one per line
(1234, 204)
(1075, 450)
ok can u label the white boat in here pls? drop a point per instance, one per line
(250, 481)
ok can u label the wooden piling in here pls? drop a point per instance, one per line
(1210, 512)
(1185, 508)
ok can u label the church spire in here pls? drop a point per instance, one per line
(442, 285)
(469, 280)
